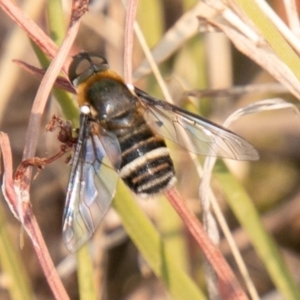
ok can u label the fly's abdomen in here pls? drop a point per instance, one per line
(146, 166)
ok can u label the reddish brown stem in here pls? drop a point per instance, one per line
(32, 227)
(230, 288)
(37, 162)
(29, 222)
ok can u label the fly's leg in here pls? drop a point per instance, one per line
(65, 136)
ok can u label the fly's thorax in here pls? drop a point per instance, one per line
(111, 99)
(106, 93)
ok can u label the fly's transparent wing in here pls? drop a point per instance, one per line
(207, 138)
(91, 188)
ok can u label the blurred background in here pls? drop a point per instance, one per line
(190, 62)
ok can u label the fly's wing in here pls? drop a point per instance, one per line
(207, 138)
(91, 187)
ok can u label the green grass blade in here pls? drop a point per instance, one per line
(263, 243)
(12, 265)
(85, 274)
(56, 21)
(153, 248)
(57, 29)
(171, 227)
(69, 109)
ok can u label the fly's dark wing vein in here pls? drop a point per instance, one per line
(207, 138)
(91, 188)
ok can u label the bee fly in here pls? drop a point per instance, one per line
(121, 135)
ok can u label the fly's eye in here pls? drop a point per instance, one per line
(84, 65)
(98, 60)
(78, 67)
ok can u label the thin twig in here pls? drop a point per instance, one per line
(237, 91)
(34, 32)
(128, 39)
(8, 184)
(292, 16)
(280, 25)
